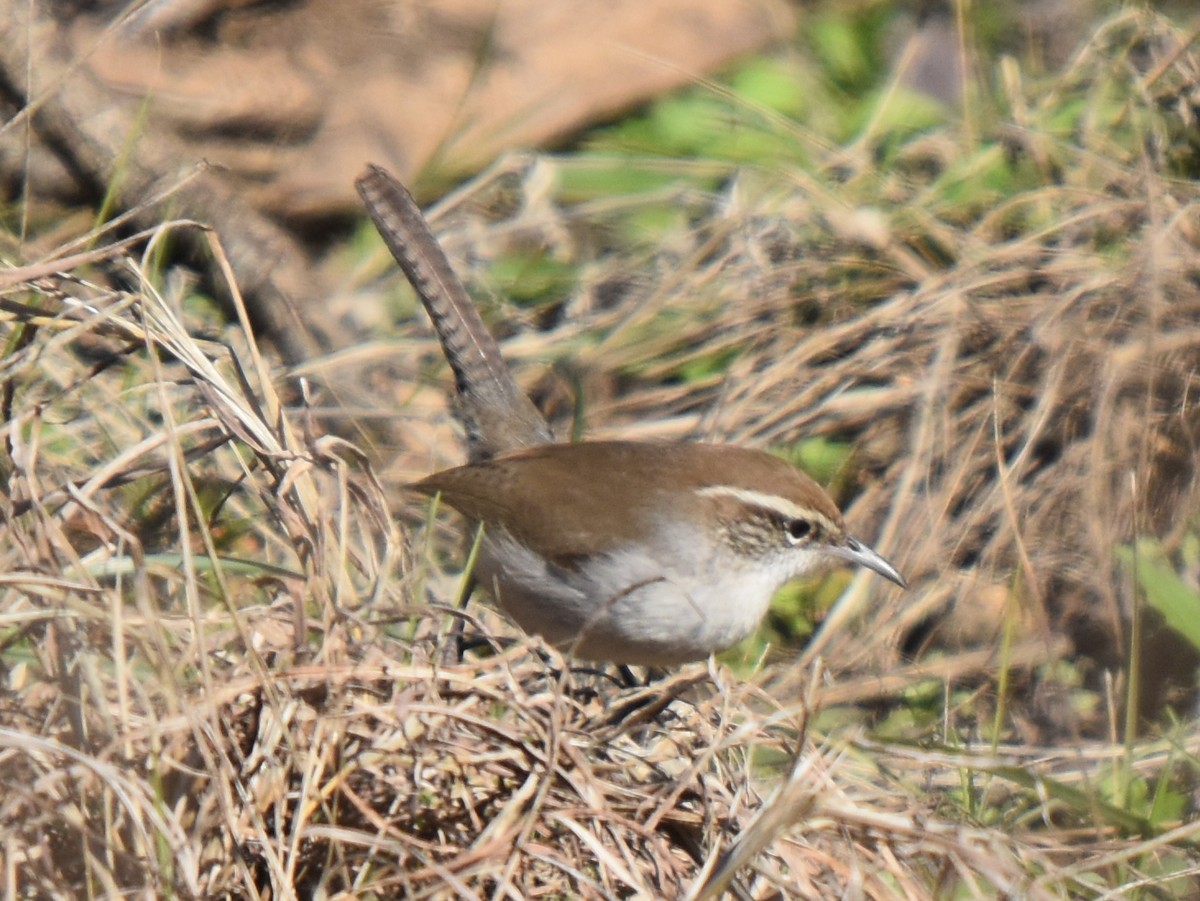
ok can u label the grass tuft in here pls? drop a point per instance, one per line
(225, 667)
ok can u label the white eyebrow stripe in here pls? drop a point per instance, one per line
(766, 501)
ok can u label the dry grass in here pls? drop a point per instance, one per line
(223, 675)
(218, 685)
(1005, 330)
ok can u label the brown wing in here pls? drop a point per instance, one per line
(564, 501)
(572, 500)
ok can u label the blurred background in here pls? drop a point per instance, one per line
(284, 102)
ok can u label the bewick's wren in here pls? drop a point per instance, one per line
(623, 551)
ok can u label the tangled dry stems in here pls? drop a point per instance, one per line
(1004, 331)
(219, 684)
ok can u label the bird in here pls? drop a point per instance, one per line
(631, 552)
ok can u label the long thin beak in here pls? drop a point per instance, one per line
(854, 551)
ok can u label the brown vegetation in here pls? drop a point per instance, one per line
(223, 660)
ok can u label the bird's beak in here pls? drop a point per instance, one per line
(854, 551)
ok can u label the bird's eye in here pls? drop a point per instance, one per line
(798, 530)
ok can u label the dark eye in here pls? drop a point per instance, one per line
(798, 530)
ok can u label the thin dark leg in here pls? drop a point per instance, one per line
(456, 631)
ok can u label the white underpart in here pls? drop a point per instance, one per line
(639, 604)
